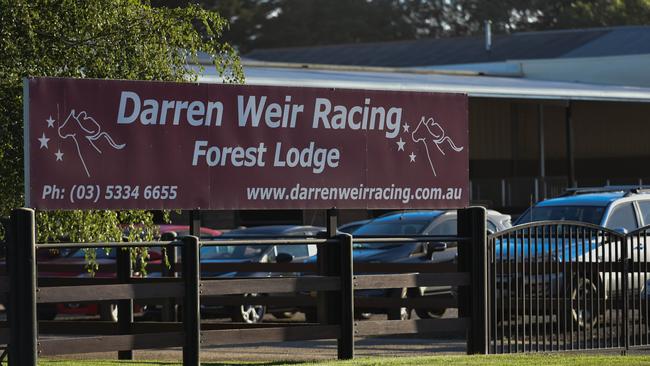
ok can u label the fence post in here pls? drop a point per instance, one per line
(124, 307)
(191, 301)
(327, 262)
(21, 261)
(346, 323)
(472, 258)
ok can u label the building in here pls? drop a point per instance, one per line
(547, 109)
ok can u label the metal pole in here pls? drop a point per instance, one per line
(191, 301)
(124, 307)
(571, 169)
(346, 324)
(21, 260)
(169, 311)
(472, 258)
(542, 152)
(195, 223)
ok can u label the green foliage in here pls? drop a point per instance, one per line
(286, 23)
(117, 39)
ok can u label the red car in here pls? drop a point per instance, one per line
(77, 259)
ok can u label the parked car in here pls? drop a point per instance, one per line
(415, 223)
(76, 258)
(256, 253)
(350, 227)
(622, 209)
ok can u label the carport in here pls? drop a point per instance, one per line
(529, 139)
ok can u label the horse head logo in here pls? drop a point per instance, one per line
(431, 133)
(85, 131)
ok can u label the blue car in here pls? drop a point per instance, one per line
(556, 245)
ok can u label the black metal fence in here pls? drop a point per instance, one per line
(334, 278)
(558, 286)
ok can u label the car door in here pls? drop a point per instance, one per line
(622, 218)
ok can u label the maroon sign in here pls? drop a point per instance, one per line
(130, 144)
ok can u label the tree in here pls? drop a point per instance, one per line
(522, 15)
(117, 39)
(288, 23)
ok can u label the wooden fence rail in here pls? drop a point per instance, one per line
(334, 278)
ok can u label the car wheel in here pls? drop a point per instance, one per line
(284, 314)
(108, 312)
(46, 311)
(430, 313)
(249, 314)
(401, 313)
(582, 317)
(311, 316)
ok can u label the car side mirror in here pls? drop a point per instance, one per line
(283, 258)
(168, 236)
(432, 247)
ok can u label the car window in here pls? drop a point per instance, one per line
(296, 250)
(492, 227)
(447, 227)
(645, 211)
(589, 214)
(394, 227)
(622, 216)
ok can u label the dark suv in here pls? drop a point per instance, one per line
(620, 208)
(414, 223)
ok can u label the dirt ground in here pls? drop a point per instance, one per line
(304, 350)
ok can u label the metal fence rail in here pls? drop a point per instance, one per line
(559, 286)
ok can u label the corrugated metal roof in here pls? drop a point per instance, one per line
(446, 51)
(620, 41)
(473, 85)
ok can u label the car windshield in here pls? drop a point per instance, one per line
(399, 226)
(233, 251)
(588, 214)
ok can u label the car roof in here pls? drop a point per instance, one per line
(276, 230)
(588, 199)
(424, 215)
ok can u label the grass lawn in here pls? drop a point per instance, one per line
(516, 360)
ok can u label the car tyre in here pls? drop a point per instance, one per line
(583, 318)
(46, 311)
(430, 313)
(284, 314)
(249, 314)
(401, 313)
(108, 312)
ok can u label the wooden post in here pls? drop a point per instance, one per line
(124, 307)
(327, 262)
(472, 258)
(21, 260)
(191, 301)
(346, 322)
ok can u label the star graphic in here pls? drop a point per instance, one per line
(412, 156)
(400, 144)
(50, 122)
(43, 140)
(59, 155)
(406, 127)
